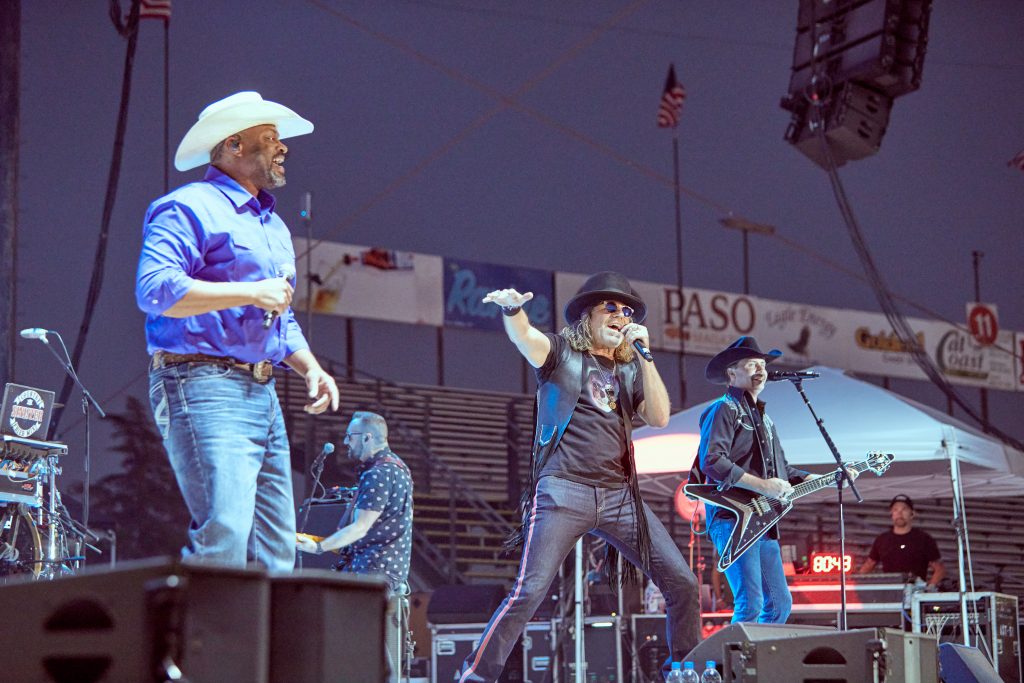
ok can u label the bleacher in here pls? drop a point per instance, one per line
(469, 453)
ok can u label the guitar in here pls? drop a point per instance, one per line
(756, 514)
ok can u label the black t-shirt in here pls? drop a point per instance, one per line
(593, 448)
(910, 552)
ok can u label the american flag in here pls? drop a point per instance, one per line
(1017, 162)
(671, 101)
(155, 9)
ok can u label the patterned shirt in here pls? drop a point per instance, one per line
(385, 486)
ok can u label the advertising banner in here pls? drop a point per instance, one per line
(366, 282)
(467, 282)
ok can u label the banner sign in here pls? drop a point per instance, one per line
(466, 283)
(365, 282)
(407, 287)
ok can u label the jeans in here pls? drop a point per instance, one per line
(757, 579)
(225, 437)
(562, 512)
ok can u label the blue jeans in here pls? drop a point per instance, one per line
(757, 579)
(224, 435)
(563, 511)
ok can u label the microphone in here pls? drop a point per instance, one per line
(643, 351)
(35, 333)
(324, 452)
(287, 271)
(779, 375)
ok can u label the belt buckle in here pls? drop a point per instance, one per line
(263, 371)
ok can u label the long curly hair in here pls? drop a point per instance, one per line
(579, 338)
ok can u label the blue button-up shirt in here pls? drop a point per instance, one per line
(216, 231)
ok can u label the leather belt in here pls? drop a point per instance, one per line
(262, 371)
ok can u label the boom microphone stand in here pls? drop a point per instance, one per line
(87, 400)
(841, 477)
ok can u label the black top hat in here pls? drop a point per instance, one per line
(901, 498)
(601, 287)
(744, 347)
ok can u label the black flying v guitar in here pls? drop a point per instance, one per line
(756, 513)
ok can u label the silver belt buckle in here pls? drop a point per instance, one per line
(263, 371)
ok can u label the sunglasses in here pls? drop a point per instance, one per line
(612, 307)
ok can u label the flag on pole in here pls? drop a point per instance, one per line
(155, 9)
(671, 100)
(1017, 162)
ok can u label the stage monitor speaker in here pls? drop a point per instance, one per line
(462, 604)
(327, 626)
(138, 622)
(714, 646)
(962, 664)
(871, 654)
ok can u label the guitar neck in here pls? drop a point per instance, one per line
(805, 487)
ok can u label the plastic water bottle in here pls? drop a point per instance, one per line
(676, 674)
(689, 674)
(710, 674)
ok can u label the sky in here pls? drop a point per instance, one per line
(518, 133)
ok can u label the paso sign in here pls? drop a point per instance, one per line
(983, 323)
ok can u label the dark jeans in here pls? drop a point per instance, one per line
(562, 512)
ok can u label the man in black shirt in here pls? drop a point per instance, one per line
(904, 548)
(376, 531)
(583, 478)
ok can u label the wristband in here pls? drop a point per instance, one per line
(319, 548)
(511, 310)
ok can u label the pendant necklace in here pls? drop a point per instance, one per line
(609, 385)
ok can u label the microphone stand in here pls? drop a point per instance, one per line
(87, 400)
(841, 477)
(317, 471)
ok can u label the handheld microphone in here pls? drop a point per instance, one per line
(779, 375)
(35, 333)
(324, 452)
(643, 351)
(287, 271)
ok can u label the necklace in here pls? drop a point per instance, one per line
(606, 377)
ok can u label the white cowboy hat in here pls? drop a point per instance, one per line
(230, 115)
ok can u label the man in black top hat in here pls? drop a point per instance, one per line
(739, 446)
(904, 548)
(583, 479)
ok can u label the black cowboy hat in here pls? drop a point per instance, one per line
(604, 286)
(744, 347)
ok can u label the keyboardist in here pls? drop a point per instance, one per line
(904, 548)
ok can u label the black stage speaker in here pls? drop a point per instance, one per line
(714, 646)
(327, 626)
(458, 604)
(962, 664)
(871, 654)
(136, 622)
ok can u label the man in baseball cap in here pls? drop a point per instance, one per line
(905, 549)
(214, 280)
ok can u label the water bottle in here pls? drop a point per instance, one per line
(676, 674)
(710, 674)
(689, 674)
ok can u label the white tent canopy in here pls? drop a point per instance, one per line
(860, 417)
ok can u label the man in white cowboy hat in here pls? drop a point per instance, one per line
(739, 446)
(213, 280)
(590, 386)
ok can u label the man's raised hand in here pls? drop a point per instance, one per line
(507, 298)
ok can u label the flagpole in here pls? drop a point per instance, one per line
(679, 269)
(167, 104)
